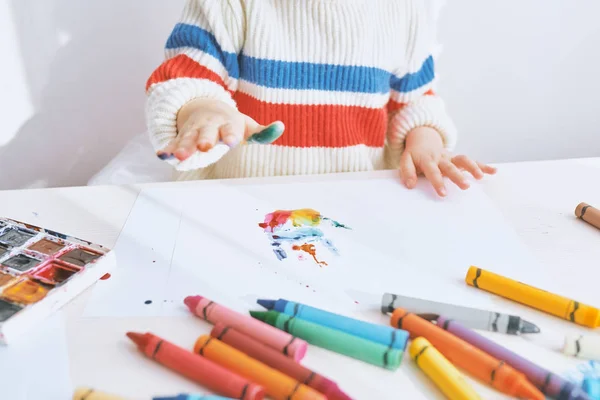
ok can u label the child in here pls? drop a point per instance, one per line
(350, 81)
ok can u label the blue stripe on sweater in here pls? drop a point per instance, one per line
(303, 75)
(299, 75)
(416, 80)
(185, 35)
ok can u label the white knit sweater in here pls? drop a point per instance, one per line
(349, 79)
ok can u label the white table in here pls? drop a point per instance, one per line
(537, 198)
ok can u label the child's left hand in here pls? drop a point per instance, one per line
(424, 153)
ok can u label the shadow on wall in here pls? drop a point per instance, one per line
(86, 64)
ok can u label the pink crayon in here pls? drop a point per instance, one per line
(279, 340)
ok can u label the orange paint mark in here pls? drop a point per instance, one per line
(105, 277)
(309, 249)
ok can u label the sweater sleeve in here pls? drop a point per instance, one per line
(201, 62)
(413, 100)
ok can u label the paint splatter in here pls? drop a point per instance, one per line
(299, 229)
(148, 302)
(105, 277)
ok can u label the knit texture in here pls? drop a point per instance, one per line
(348, 78)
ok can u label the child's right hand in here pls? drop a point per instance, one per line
(202, 123)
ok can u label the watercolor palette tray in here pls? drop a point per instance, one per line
(40, 271)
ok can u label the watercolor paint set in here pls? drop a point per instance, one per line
(40, 271)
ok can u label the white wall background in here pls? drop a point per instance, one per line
(519, 76)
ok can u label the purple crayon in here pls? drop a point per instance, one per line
(550, 384)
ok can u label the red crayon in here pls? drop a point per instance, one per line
(197, 368)
(278, 361)
(279, 340)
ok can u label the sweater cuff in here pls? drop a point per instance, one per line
(426, 111)
(164, 102)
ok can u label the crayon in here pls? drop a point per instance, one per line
(470, 317)
(84, 393)
(551, 303)
(467, 357)
(199, 369)
(334, 340)
(212, 312)
(277, 385)
(441, 371)
(589, 214)
(550, 384)
(591, 385)
(193, 397)
(278, 361)
(581, 346)
(385, 335)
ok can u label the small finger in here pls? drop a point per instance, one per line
(167, 152)
(488, 169)
(434, 175)
(408, 170)
(207, 137)
(468, 165)
(186, 145)
(256, 133)
(230, 134)
(454, 174)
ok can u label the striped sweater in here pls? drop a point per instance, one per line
(348, 78)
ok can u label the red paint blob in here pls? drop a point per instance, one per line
(105, 277)
(356, 302)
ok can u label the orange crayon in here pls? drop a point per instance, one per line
(277, 385)
(467, 357)
(569, 309)
(589, 214)
(199, 369)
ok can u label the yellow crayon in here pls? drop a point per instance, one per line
(84, 393)
(441, 371)
(551, 303)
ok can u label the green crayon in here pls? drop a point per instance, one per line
(268, 135)
(334, 340)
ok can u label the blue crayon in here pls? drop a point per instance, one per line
(388, 336)
(193, 397)
(591, 385)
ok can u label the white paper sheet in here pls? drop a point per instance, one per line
(206, 240)
(37, 367)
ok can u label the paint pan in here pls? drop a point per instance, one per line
(40, 271)
(56, 273)
(4, 249)
(7, 310)
(25, 292)
(6, 279)
(47, 246)
(16, 237)
(21, 263)
(79, 256)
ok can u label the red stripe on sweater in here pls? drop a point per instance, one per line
(319, 125)
(182, 66)
(396, 105)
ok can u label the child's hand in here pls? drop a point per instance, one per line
(202, 123)
(425, 153)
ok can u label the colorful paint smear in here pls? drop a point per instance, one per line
(300, 230)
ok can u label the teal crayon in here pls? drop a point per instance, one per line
(334, 340)
(193, 397)
(385, 335)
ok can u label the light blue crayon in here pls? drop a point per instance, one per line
(193, 397)
(388, 336)
(591, 386)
